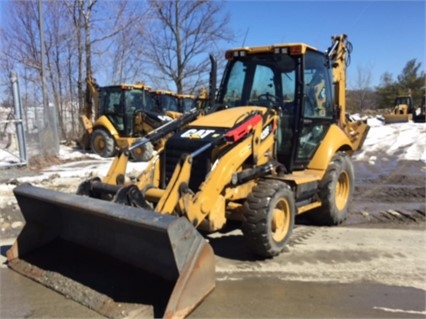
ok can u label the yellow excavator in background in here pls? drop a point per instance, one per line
(123, 113)
(402, 110)
(277, 143)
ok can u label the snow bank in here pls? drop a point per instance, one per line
(394, 142)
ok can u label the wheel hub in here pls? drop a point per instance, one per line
(342, 190)
(280, 221)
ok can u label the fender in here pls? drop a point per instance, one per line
(105, 123)
(334, 140)
(87, 123)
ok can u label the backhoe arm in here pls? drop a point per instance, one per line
(339, 55)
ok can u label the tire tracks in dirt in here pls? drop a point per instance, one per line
(395, 195)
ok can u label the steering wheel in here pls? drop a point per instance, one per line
(268, 99)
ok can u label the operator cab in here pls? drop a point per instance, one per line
(165, 101)
(296, 81)
(120, 104)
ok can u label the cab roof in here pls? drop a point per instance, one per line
(291, 48)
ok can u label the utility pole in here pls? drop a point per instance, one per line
(49, 134)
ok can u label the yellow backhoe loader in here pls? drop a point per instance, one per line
(402, 110)
(123, 113)
(276, 144)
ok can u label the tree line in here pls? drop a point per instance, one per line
(364, 98)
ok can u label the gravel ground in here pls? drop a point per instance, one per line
(386, 197)
(388, 194)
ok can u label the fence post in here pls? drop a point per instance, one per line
(18, 118)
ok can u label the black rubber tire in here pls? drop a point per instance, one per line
(335, 191)
(269, 214)
(143, 153)
(102, 143)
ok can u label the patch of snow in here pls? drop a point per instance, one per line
(391, 142)
(394, 142)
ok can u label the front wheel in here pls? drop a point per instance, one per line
(269, 213)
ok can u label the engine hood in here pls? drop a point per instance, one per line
(227, 118)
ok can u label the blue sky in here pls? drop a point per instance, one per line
(385, 34)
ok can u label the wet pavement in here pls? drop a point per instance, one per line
(337, 272)
(275, 298)
(248, 298)
(21, 297)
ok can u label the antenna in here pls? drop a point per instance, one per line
(245, 36)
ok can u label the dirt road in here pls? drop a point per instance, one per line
(372, 266)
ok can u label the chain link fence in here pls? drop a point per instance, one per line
(28, 132)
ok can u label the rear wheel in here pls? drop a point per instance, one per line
(269, 217)
(335, 191)
(102, 143)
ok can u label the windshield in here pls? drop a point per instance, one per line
(166, 102)
(138, 100)
(116, 100)
(260, 80)
(402, 100)
(187, 104)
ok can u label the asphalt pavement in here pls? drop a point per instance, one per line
(337, 272)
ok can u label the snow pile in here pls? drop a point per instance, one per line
(390, 143)
(393, 142)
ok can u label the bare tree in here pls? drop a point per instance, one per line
(81, 37)
(183, 35)
(363, 90)
(20, 41)
(126, 50)
(98, 26)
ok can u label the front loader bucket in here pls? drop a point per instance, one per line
(396, 118)
(118, 260)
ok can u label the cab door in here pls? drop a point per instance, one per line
(317, 113)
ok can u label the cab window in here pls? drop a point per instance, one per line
(318, 93)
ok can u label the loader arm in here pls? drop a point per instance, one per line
(210, 199)
(241, 143)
